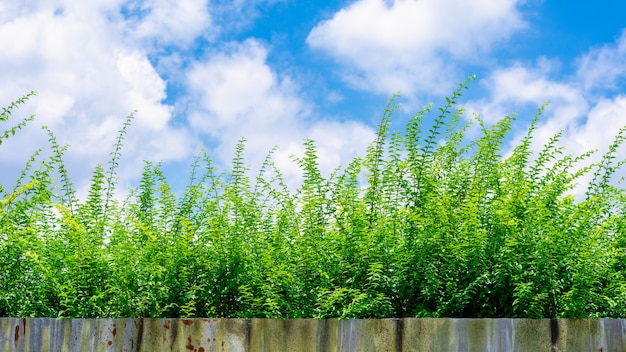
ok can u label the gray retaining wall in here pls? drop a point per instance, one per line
(275, 335)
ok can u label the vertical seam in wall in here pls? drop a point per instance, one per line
(139, 332)
(248, 334)
(554, 332)
(399, 334)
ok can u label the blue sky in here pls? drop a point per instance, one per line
(204, 73)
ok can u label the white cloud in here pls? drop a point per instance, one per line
(177, 22)
(337, 141)
(602, 67)
(603, 122)
(240, 90)
(518, 86)
(597, 132)
(410, 45)
(89, 77)
(587, 123)
(89, 62)
(145, 88)
(236, 94)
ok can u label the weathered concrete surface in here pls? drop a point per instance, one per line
(275, 335)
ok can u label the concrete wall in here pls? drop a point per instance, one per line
(204, 335)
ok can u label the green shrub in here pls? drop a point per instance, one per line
(437, 229)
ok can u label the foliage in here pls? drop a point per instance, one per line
(428, 223)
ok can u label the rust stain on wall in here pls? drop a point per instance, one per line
(16, 336)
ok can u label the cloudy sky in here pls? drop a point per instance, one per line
(205, 73)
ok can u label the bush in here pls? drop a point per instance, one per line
(438, 229)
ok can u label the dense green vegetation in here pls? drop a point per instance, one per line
(416, 228)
